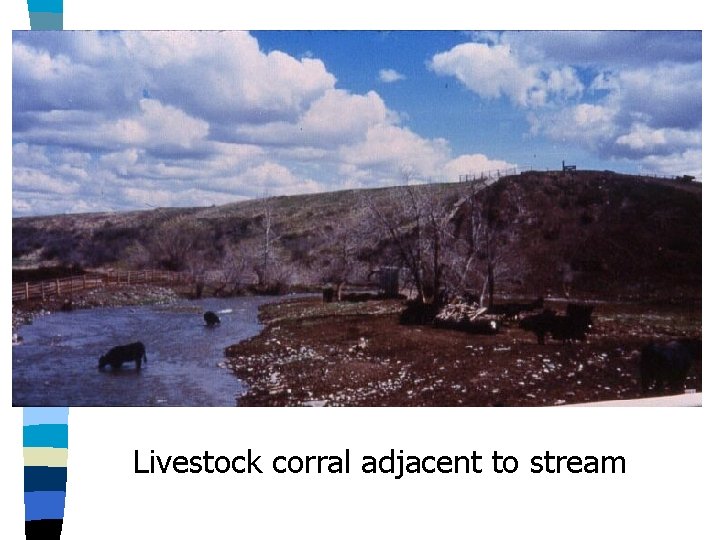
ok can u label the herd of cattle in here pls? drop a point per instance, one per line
(662, 364)
(574, 325)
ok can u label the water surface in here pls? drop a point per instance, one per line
(57, 363)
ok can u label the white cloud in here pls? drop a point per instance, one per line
(493, 71)
(390, 76)
(337, 117)
(646, 139)
(586, 124)
(156, 125)
(475, 164)
(279, 180)
(29, 63)
(155, 118)
(34, 180)
(388, 149)
(488, 71)
(644, 101)
(564, 82)
(664, 96)
(225, 75)
(26, 155)
(678, 163)
(120, 162)
(176, 115)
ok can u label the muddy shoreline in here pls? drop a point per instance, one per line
(343, 354)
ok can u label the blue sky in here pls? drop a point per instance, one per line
(125, 120)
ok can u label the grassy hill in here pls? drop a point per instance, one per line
(588, 232)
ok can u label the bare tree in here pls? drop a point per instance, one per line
(480, 261)
(180, 241)
(415, 224)
(267, 241)
(235, 268)
(272, 273)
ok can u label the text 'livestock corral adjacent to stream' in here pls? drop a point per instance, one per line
(395, 463)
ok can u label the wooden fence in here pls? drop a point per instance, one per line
(69, 285)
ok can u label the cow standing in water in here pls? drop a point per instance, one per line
(211, 318)
(668, 364)
(134, 352)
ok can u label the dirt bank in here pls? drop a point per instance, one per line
(318, 354)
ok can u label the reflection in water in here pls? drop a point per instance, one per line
(57, 364)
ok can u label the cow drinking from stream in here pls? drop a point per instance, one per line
(115, 357)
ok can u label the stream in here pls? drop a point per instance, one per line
(57, 363)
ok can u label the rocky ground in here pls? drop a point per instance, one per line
(317, 354)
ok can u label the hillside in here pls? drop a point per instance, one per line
(583, 233)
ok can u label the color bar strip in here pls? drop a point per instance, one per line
(45, 478)
(45, 442)
(46, 14)
(45, 435)
(44, 505)
(48, 6)
(45, 415)
(45, 457)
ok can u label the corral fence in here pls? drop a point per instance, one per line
(70, 285)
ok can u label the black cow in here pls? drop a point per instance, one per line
(539, 324)
(573, 326)
(668, 364)
(211, 318)
(134, 352)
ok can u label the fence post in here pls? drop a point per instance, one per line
(27, 291)
(57, 287)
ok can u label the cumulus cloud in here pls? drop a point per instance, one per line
(687, 162)
(476, 164)
(121, 120)
(388, 150)
(155, 125)
(219, 76)
(337, 117)
(38, 181)
(639, 96)
(663, 96)
(390, 76)
(494, 71)
(642, 138)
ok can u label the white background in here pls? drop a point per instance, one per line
(669, 489)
